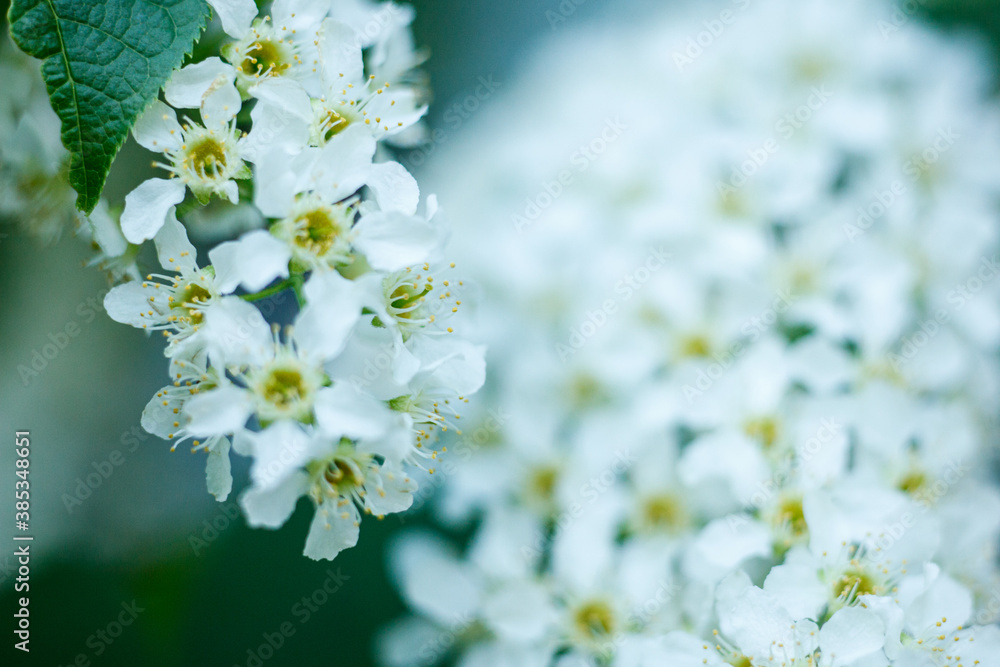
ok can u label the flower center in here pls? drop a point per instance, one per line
(913, 482)
(542, 482)
(664, 511)
(594, 620)
(695, 346)
(284, 387)
(342, 476)
(319, 234)
(208, 158)
(285, 390)
(265, 58)
(332, 122)
(193, 294)
(318, 230)
(854, 582)
(764, 430)
(406, 298)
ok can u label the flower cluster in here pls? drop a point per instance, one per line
(343, 403)
(34, 191)
(750, 311)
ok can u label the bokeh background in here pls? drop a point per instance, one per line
(144, 532)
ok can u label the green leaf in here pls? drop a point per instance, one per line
(103, 63)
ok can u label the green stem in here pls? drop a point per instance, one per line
(297, 281)
(271, 291)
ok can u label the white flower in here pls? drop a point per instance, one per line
(346, 98)
(114, 254)
(278, 380)
(281, 44)
(204, 158)
(350, 98)
(321, 235)
(253, 261)
(162, 417)
(338, 476)
(333, 173)
(235, 15)
(175, 304)
(928, 620)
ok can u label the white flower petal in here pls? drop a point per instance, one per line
(394, 188)
(235, 15)
(286, 95)
(520, 612)
(173, 249)
(270, 508)
(158, 418)
(234, 332)
(220, 411)
(342, 166)
(333, 529)
(754, 621)
(343, 411)
(798, 588)
(455, 364)
(146, 207)
(390, 491)
(332, 311)
(723, 544)
(435, 582)
(340, 54)
(851, 634)
(220, 104)
(188, 85)
(106, 230)
(157, 128)
(254, 261)
(392, 241)
(275, 131)
(278, 451)
(125, 304)
(218, 470)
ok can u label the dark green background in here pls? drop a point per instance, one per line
(210, 609)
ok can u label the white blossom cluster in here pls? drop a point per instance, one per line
(744, 320)
(34, 192)
(290, 127)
